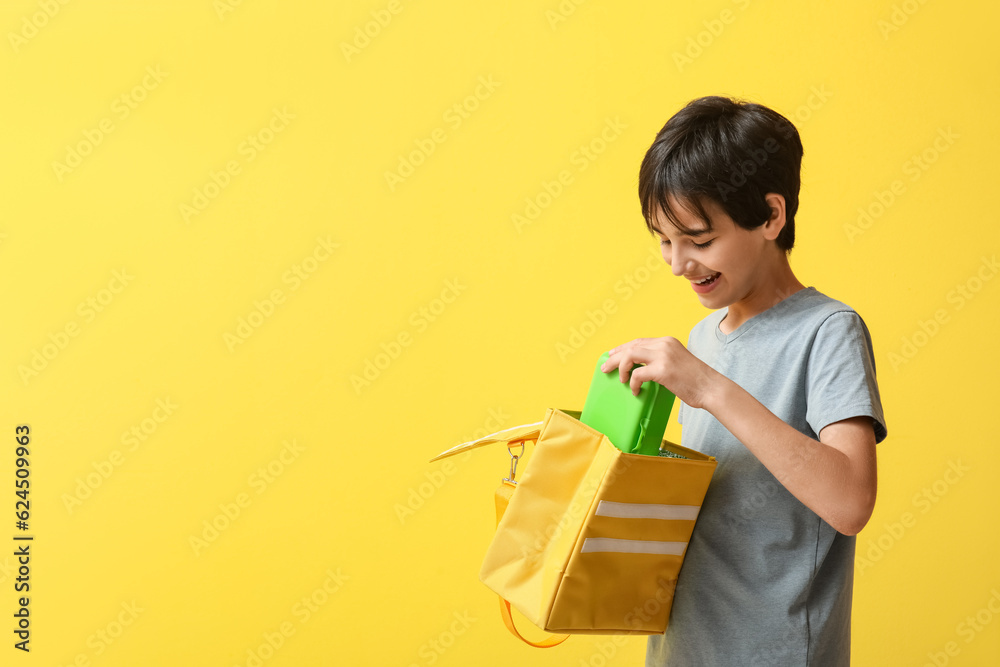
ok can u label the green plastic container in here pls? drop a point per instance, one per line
(633, 424)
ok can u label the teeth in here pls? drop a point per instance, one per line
(706, 280)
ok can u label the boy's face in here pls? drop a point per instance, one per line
(725, 265)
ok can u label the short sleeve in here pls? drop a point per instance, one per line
(840, 380)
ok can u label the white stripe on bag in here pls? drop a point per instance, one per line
(613, 545)
(647, 511)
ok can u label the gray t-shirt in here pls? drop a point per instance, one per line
(765, 581)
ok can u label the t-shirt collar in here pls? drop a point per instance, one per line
(762, 316)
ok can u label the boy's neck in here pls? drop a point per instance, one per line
(775, 284)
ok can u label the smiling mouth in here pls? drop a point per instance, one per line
(707, 281)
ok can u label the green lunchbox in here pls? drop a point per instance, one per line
(633, 424)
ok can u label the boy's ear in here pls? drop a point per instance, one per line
(776, 222)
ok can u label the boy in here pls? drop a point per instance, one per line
(778, 384)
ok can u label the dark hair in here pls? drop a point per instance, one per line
(727, 151)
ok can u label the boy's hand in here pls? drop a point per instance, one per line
(667, 362)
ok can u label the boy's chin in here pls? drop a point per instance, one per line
(715, 299)
(712, 303)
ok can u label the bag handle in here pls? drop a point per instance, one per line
(502, 498)
(511, 436)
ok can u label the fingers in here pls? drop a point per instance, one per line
(625, 369)
(627, 356)
(635, 384)
(614, 357)
(647, 360)
(628, 360)
(626, 346)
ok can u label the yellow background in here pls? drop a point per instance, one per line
(386, 546)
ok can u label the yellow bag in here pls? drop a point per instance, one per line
(593, 538)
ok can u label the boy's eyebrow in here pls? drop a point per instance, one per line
(689, 232)
(694, 232)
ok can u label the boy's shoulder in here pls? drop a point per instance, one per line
(811, 304)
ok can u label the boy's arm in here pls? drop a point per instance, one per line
(834, 476)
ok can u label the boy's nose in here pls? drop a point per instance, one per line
(679, 262)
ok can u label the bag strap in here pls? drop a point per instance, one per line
(502, 498)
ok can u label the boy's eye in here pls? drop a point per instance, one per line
(666, 242)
